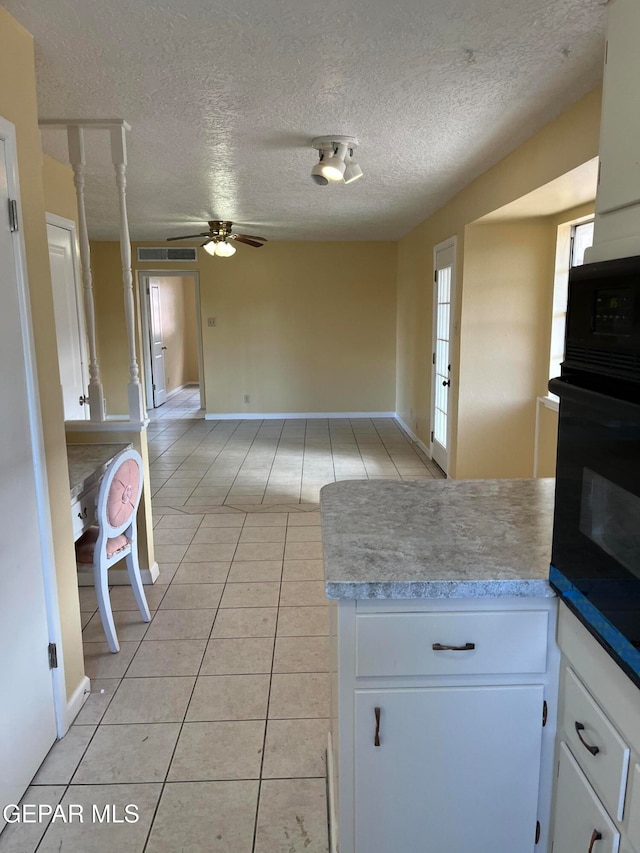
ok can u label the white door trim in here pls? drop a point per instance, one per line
(450, 243)
(70, 225)
(8, 135)
(145, 310)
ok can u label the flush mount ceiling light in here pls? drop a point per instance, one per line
(336, 160)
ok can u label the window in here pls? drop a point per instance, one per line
(574, 238)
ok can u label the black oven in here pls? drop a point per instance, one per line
(595, 561)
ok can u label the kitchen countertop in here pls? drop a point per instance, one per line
(88, 462)
(437, 538)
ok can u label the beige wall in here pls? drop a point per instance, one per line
(59, 191)
(300, 327)
(508, 285)
(111, 330)
(563, 144)
(18, 105)
(179, 330)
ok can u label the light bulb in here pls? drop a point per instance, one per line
(224, 249)
(333, 167)
(352, 171)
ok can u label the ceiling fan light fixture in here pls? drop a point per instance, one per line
(224, 249)
(336, 161)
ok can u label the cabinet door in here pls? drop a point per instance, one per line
(580, 815)
(457, 769)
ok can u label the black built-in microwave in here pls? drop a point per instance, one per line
(595, 560)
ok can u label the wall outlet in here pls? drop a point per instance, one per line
(247, 399)
(211, 321)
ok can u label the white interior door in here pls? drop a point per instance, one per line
(69, 319)
(441, 371)
(157, 346)
(27, 711)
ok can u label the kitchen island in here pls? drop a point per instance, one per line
(444, 665)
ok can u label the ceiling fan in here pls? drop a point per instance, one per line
(218, 236)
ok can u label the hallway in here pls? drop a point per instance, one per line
(213, 719)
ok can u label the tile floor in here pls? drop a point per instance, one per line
(213, 718)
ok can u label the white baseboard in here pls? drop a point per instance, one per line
(423, 447)
(278, 416)
(74, 705)
(332, 805)
(119, 576)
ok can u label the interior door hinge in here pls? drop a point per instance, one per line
(435, 276)
(538, 831)
(13, 215)
(434, 358)
(431, 435)
(545, 713)
(53, 656)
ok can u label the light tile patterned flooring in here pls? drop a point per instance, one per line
(213, 719)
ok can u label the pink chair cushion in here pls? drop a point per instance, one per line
(86, 545)
(123, 493)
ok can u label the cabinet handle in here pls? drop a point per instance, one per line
(594, 750)
(468, 647)
(597, 836)
(376, 739)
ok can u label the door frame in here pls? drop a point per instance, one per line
(54, 625)
(449, 243)
(144, 301)
(70, 225)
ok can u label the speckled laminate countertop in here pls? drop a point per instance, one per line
(88, 462)
(437, 538)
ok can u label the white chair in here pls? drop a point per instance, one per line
(115, 536)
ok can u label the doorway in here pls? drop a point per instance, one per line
(443, 302)
(172, 334)
(68, 312)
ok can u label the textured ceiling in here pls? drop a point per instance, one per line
(224, 100)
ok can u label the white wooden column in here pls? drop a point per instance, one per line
(119, 158)
(78, 162)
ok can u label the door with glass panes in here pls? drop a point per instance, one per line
(443, 290)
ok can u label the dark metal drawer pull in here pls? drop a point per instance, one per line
(594, 750)
(468, 647)
(376, 739)
(597, 836)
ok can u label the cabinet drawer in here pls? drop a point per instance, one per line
(83, 511)
(486, 642)
(579, 813)
(600, 751)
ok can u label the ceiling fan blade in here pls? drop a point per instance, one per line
(240, 238)
(253, 237)
(206, 242)
(190, 236)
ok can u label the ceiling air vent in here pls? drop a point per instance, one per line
(184, 253)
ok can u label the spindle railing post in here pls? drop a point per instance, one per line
(119, 158)
(78, 162)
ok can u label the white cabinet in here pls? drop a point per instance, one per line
(443, 725)
(454, 769)
(597, 785)
(582, 824)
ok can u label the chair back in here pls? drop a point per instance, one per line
(120, 493)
